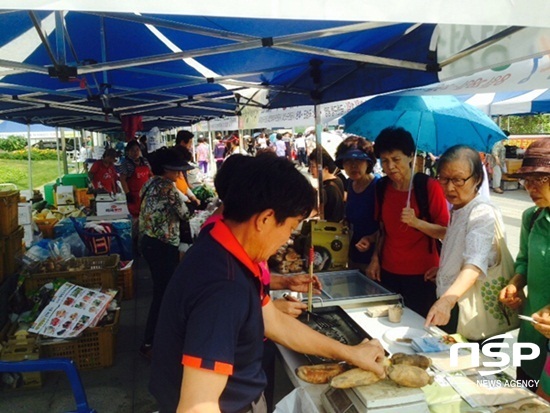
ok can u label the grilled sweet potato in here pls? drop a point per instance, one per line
(411, 360)
(409, 376)
(353, 378)
(319, 373)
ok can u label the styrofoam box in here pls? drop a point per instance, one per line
(24, 213)
(111, 208)
(65, 195)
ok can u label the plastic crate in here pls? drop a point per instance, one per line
(76, 180)
(20, 350)
(97, 272)
(93, 349)
(11, 248)
(125, 283)
(46, 226)
(9, 204)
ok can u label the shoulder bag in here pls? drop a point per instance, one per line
(481, 314)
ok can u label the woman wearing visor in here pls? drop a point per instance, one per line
(356, 157)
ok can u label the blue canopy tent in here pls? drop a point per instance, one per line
(100, 66)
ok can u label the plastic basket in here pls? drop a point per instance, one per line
(12, 249)
(125, 283)
(9, 199)
(46, 226)
(98, 272)
(95, 348)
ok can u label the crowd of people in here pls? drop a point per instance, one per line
(428, 238)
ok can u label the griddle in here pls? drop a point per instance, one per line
(335, 323)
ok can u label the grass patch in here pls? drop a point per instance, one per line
(16, 172)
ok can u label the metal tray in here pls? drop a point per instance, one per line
(346, 287)
(335, 323)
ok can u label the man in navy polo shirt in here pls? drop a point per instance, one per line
(215, 313)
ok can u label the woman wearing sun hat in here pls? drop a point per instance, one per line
(533, 258)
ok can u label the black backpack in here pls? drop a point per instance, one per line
(420, 187)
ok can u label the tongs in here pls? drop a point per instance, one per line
(322, 321)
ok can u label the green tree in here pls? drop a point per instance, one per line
(526, 125)
(12, 143)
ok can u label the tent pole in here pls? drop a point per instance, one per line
(240, 131)
(64, 150)
(211, 153)
(29, 157)
(319, 147)
(57, 150)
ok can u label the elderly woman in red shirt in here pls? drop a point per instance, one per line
(407, 250)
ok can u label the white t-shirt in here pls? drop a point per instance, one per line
(300, 143)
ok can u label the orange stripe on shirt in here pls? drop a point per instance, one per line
(196, 362)
(223, 368)
(191, 361)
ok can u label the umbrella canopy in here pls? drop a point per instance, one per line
(436, 122)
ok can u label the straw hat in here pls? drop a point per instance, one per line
(536, 159)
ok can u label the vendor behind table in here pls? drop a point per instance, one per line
(266, 199)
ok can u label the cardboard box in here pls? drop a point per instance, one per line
(24, 213)
(65, 195)
(111, 208)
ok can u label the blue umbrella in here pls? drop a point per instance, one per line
(436, 122)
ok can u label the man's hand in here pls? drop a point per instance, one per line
(369, 355)
(290, 305)
(300, 283)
